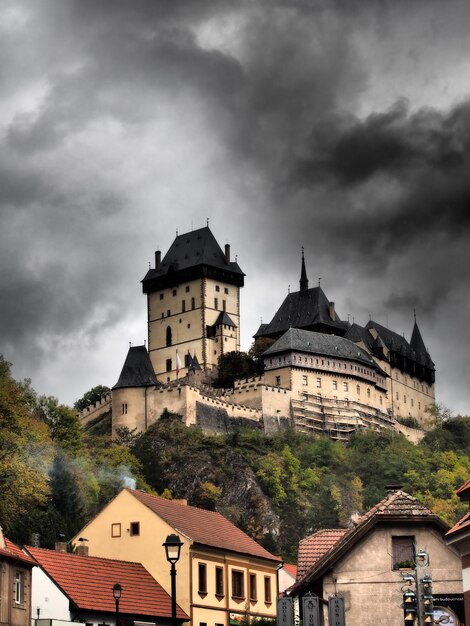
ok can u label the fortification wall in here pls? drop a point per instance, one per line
(94, 411)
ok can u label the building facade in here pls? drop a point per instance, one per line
(366, 564)
(322, 374)
(222, 575)
(15, 584)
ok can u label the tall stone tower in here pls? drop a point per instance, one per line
(193, 305)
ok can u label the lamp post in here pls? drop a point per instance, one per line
(117, 591)
(172, 547)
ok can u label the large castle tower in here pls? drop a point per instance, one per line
(193, 305)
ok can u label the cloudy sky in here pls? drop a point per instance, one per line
(339, 125)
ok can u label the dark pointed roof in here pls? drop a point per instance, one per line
(137, 370)
(224, 318)
(415, 350)
(397, 508)
(190, 256)
(319, 343)
(309, 310)
(303, 275)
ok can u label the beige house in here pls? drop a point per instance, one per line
(365, 564)
(15, 584)
(222, 573)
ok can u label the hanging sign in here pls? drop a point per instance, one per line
(311, 610)
(284, 612)
(336, 612)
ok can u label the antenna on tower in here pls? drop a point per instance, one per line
(319, 280)
(145, 343)
(150, 265)
(207, 222)
(288, 288)
(177, 232)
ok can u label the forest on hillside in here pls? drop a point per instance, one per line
(55, 476)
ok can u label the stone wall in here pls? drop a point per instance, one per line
(94, 411)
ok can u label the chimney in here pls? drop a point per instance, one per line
(82, 550)
(158, 260)
(227, 253)
(182, 501)
(61, 546)
(332, 310)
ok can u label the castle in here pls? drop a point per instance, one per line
(321, 374)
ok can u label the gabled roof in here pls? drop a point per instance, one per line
(88, 582)
(314, 547)
(207, 528)
(397, 508)
(137, 370)
(415, 350)
(308, 308)
(464, 491)
(13, 553)
(192, 252)
(319, 343)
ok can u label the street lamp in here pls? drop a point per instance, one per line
(117, 591)
(172, 547)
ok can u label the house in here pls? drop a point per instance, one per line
(15, 584)
(459, 538)
(222, 574)
(287, 576)
(76, 587)
(365, 564)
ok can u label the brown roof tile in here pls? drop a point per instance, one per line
(88, 581)
(314, 547)
(461, 524)
(13, 552)
(208, 528)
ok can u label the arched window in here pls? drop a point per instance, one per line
(168, 336)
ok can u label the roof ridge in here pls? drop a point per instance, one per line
(81, 556)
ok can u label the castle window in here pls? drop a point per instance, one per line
(224, 305)
(397, 395)
(412, 402)
(161, 296)
(216, 303)
(217, 288)
(189, 325)
(226, 290)
(345, 387)
(368, 392)
(380, 398)
(163, 313)
(168, 365)
(168, 336)
(193, 303)
(304, 380)
(183, 306)
(186, 360)
(404, 399)
(168, 313)
(174, 292)
(124, 408)
(419, 406)
(318, 382)
(278, 381)
(187, 288)
(335, 385)
(358, 390)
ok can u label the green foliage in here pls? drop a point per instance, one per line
(91, 397)
(63, 423)
(233, 366)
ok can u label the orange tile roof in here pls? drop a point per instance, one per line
(291, 569)
(208, 528)
(88, 582)
(464, 490)
(314, 547)
(12, 551)
(461, 524)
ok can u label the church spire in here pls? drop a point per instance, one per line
(303, 274)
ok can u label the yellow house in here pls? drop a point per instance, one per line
(222, 574)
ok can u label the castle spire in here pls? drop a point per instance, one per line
(303, 274)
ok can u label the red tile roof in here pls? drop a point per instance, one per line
(13, 552)
(204, 527)
(88, 582)
(464, 491)
(291, 569)
(461, 524)
(314, 547)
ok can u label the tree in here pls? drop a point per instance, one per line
(233, 366)
(91, 397)
(63, 423)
